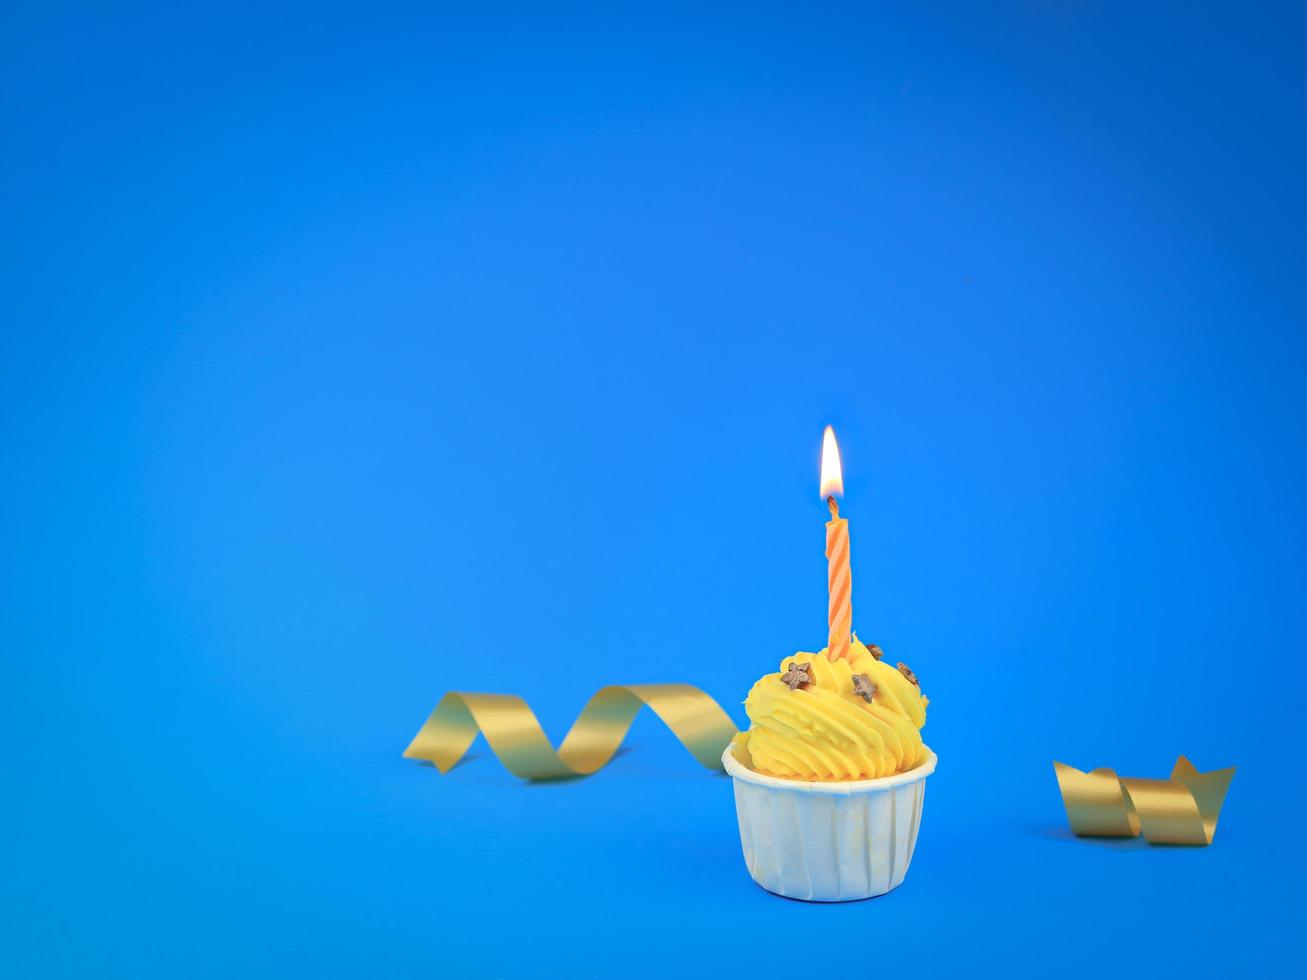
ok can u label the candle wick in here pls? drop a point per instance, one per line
(834, 506)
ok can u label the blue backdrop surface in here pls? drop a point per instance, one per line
(353, 356)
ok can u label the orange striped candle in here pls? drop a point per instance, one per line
(839, 580)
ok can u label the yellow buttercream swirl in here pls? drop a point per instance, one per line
(823, 731)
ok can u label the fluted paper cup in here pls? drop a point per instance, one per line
(828, 842)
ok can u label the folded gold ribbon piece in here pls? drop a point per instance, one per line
(515, 736)
(1179, 810)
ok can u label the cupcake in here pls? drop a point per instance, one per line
(830, 777)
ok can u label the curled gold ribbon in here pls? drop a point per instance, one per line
(1179, 810)
(515, 736)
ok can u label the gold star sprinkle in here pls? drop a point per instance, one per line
(863, 687)
(906, 672)
(797, 675)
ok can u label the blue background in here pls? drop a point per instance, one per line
(352, 357)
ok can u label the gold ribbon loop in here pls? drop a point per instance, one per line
(1180, 810)
(515, 736)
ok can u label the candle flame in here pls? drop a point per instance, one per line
(832, 474)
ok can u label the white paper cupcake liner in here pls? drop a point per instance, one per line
(828, 842)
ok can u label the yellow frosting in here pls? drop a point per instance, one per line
(823, 731)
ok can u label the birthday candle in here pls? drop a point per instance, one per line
(839, 581)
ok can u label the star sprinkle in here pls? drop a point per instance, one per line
(796, 675)
(863, 687)
(906, 672)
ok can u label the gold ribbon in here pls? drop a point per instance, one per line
(1179, 810)
(515, 736)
